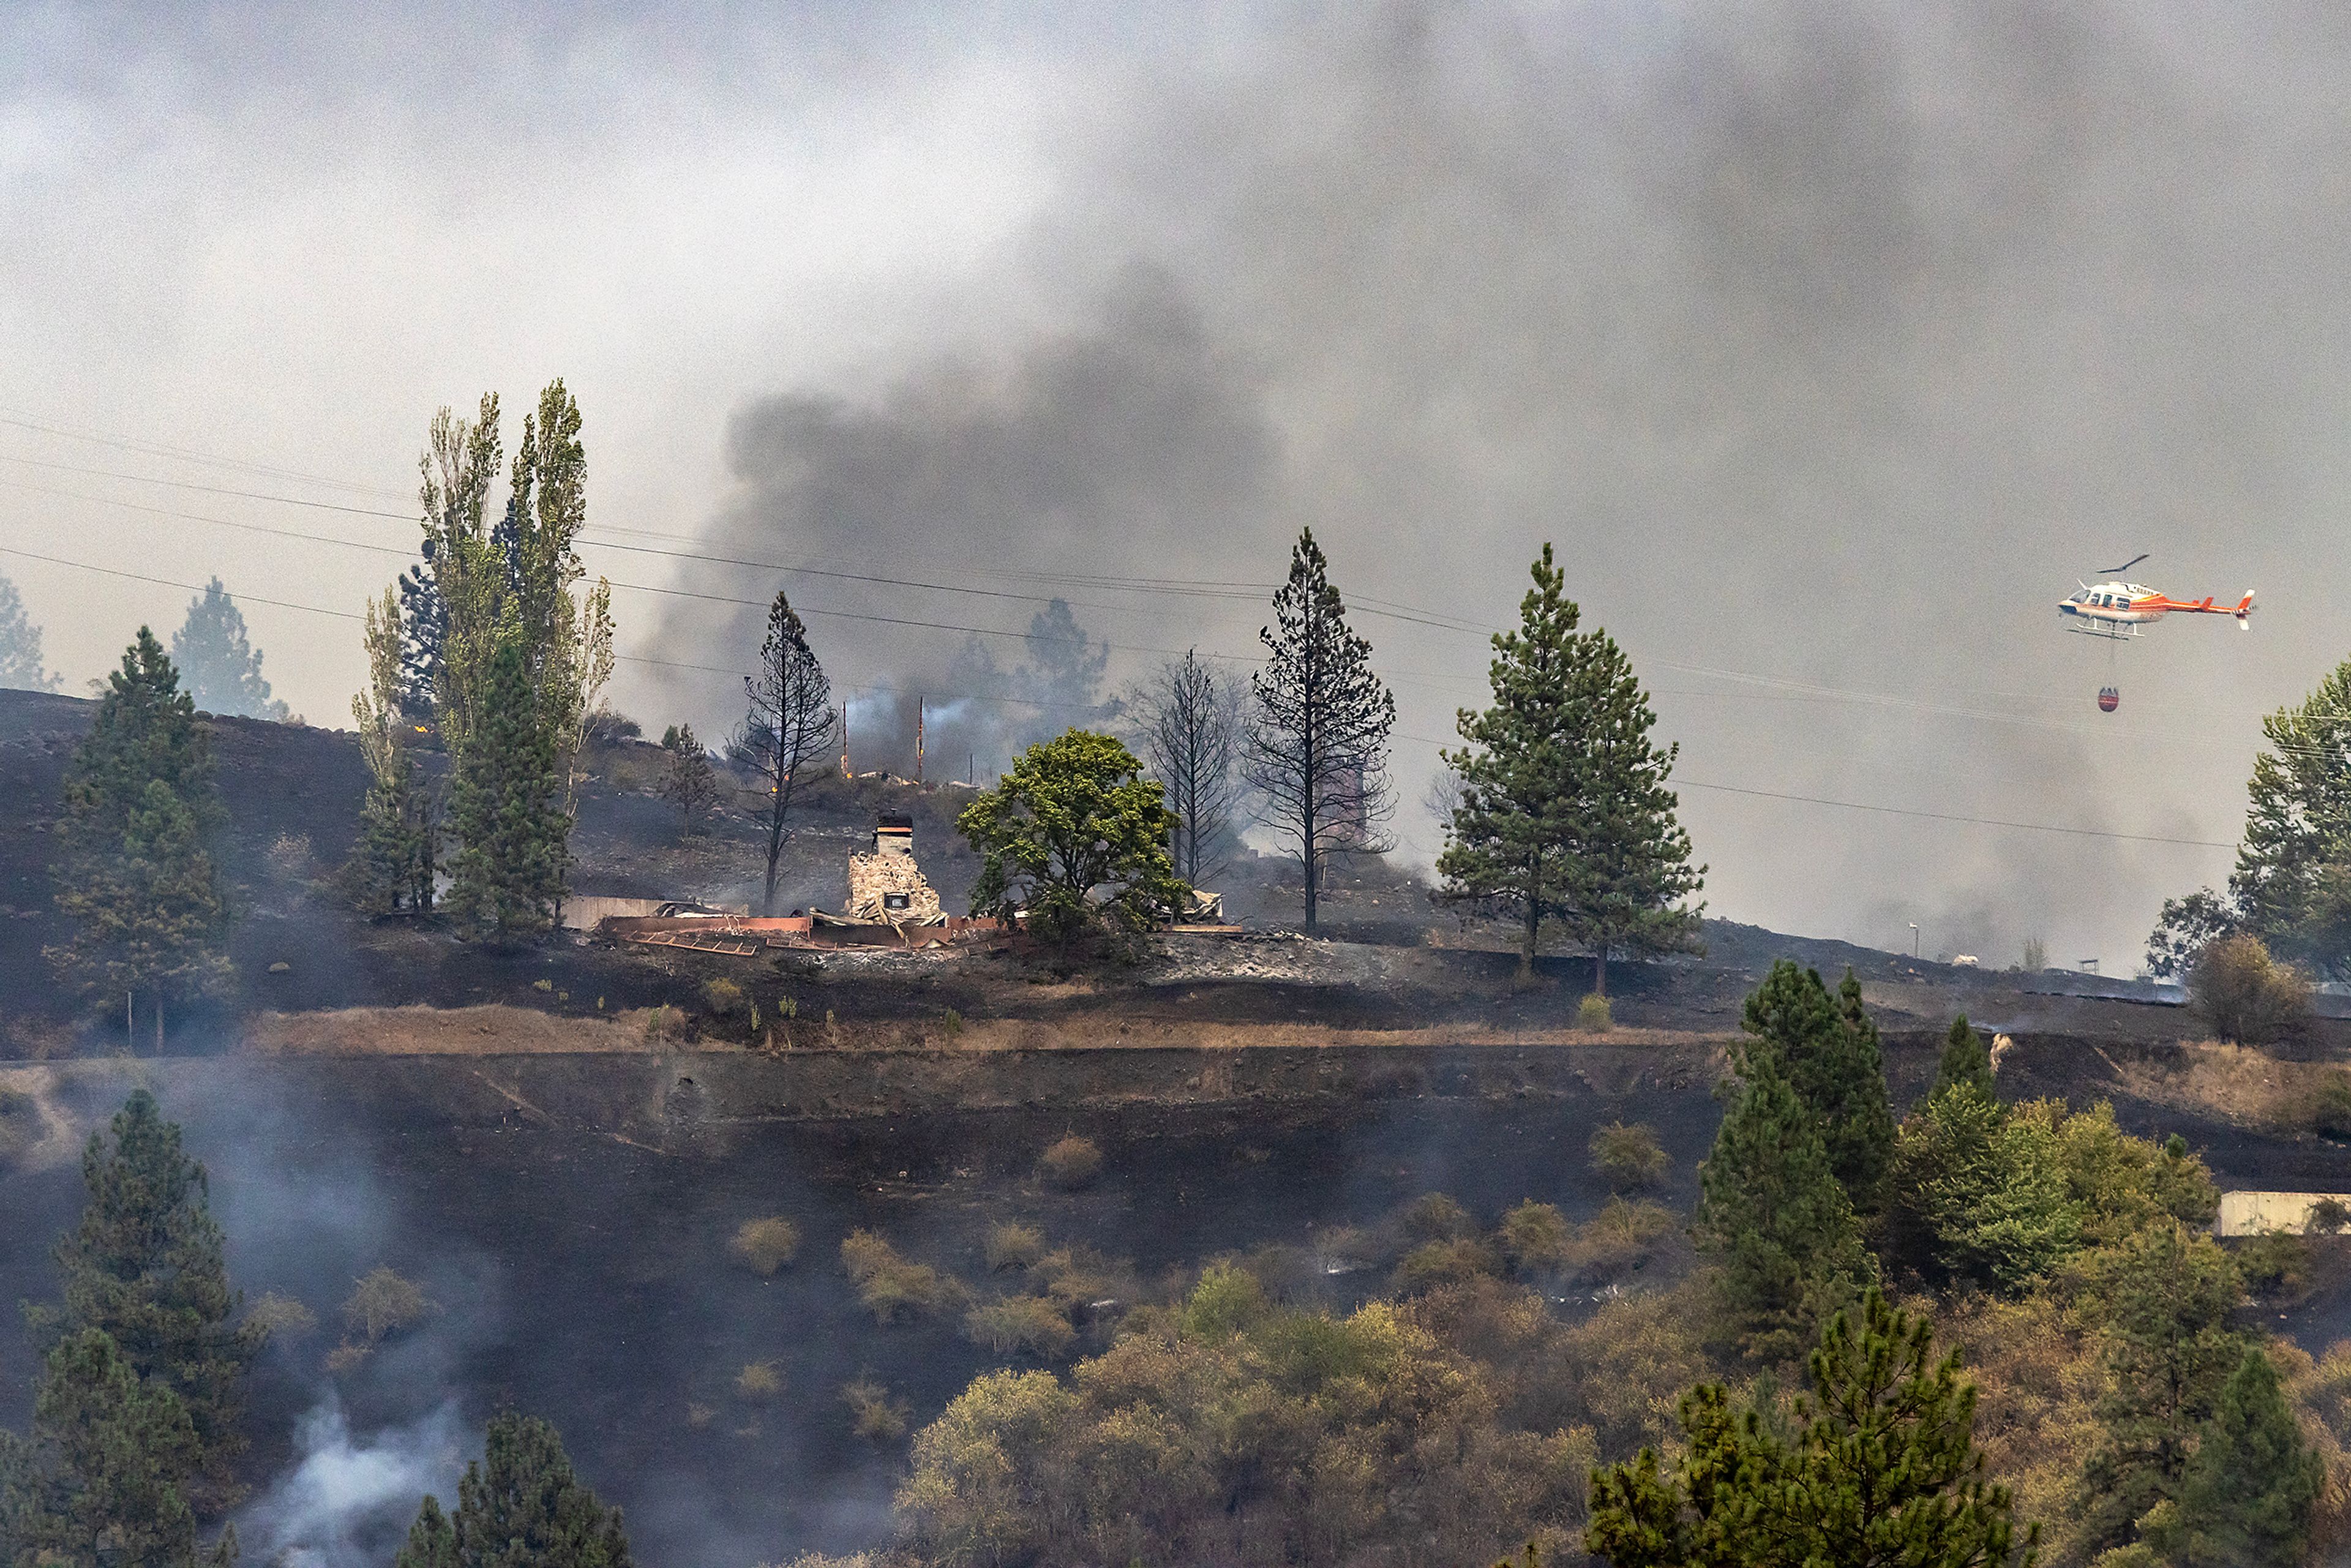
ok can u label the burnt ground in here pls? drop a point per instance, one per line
(569, 1213)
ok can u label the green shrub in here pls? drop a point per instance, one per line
(1071, 1163)
(1435, 1217)
(384, 1303)
(1628, 1157)
(1012, 1245)
(2273, 1263)
(2247, 996)
(281, 1319)
(2328, 1216)
(888, 1285)
(2328, 1108)
(758, 1380)
(873, 1416)
(1435, 1263)
(1077, 1277)
(1227, 1300)
(1592, 1014)
(1620, 1239)
(764, 1246)
(1535, 1238)
(1030, 1325)
(722, 998)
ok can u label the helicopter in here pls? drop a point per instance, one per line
(2117, 609)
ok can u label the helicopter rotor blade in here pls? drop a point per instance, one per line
(2118, 570)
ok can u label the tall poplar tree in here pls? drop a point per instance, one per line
(506, 882)
(788, 726)
(393, 863)
(136, 878)
(1316, 738)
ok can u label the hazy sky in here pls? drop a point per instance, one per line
(1828, 342)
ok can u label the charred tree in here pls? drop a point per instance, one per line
(789, 725)
(1316, 742)
(1188, 734)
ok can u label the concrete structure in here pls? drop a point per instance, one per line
(2252, 1213)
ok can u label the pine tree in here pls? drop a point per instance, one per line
(2246, 1499)
(1772, 1214)
(136, 879)
(20, 646)
(1965, 1060)
(1883, 1469)
(1985, 1192)
(145, 1266)
(788, 728)
(1316, 738)
(692, 783)
(393, 863)
(1830, 1052)
(1563, 812)
(2164, 1297)
(521, 1506)
(507, 811)
(1187, 721)
(220, 667)
(104, 1477)
(431, 1540)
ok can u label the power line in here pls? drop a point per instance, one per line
(183, 454)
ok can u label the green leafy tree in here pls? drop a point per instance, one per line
(1074, 816)
(692, 784)
(1964, 1059)
(217, 661)
(144, 1266)
(2247, 1497)
(104, 1477)
(1562, 813)
(136, 878)
(506, 810)
(1315, 740)
(1773, 1216)
(520, 1506)
(2164, 1297)
(20, 646)
(398, 851)
(1828, 1050)
(1882, 1470)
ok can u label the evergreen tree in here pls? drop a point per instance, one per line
(1316, 742)
(1983, 1193)
(1772, 1214)
(143, 1266)
(691, 782)
(136, 879)
(104, 1475)
(506, 810)
(1563, 813)
(2246, 1499)
(221, 668)
(20, 646)
(2164, 1298)
(788, 728)
(431, 1540)
(1964, 1059)
(425, 625)
(392, 864)
(1829, 1050)
(1882, 1470)
(521, 1506)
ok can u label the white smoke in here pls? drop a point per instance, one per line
(347, 1503)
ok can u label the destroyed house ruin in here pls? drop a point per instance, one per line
(885, 885)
